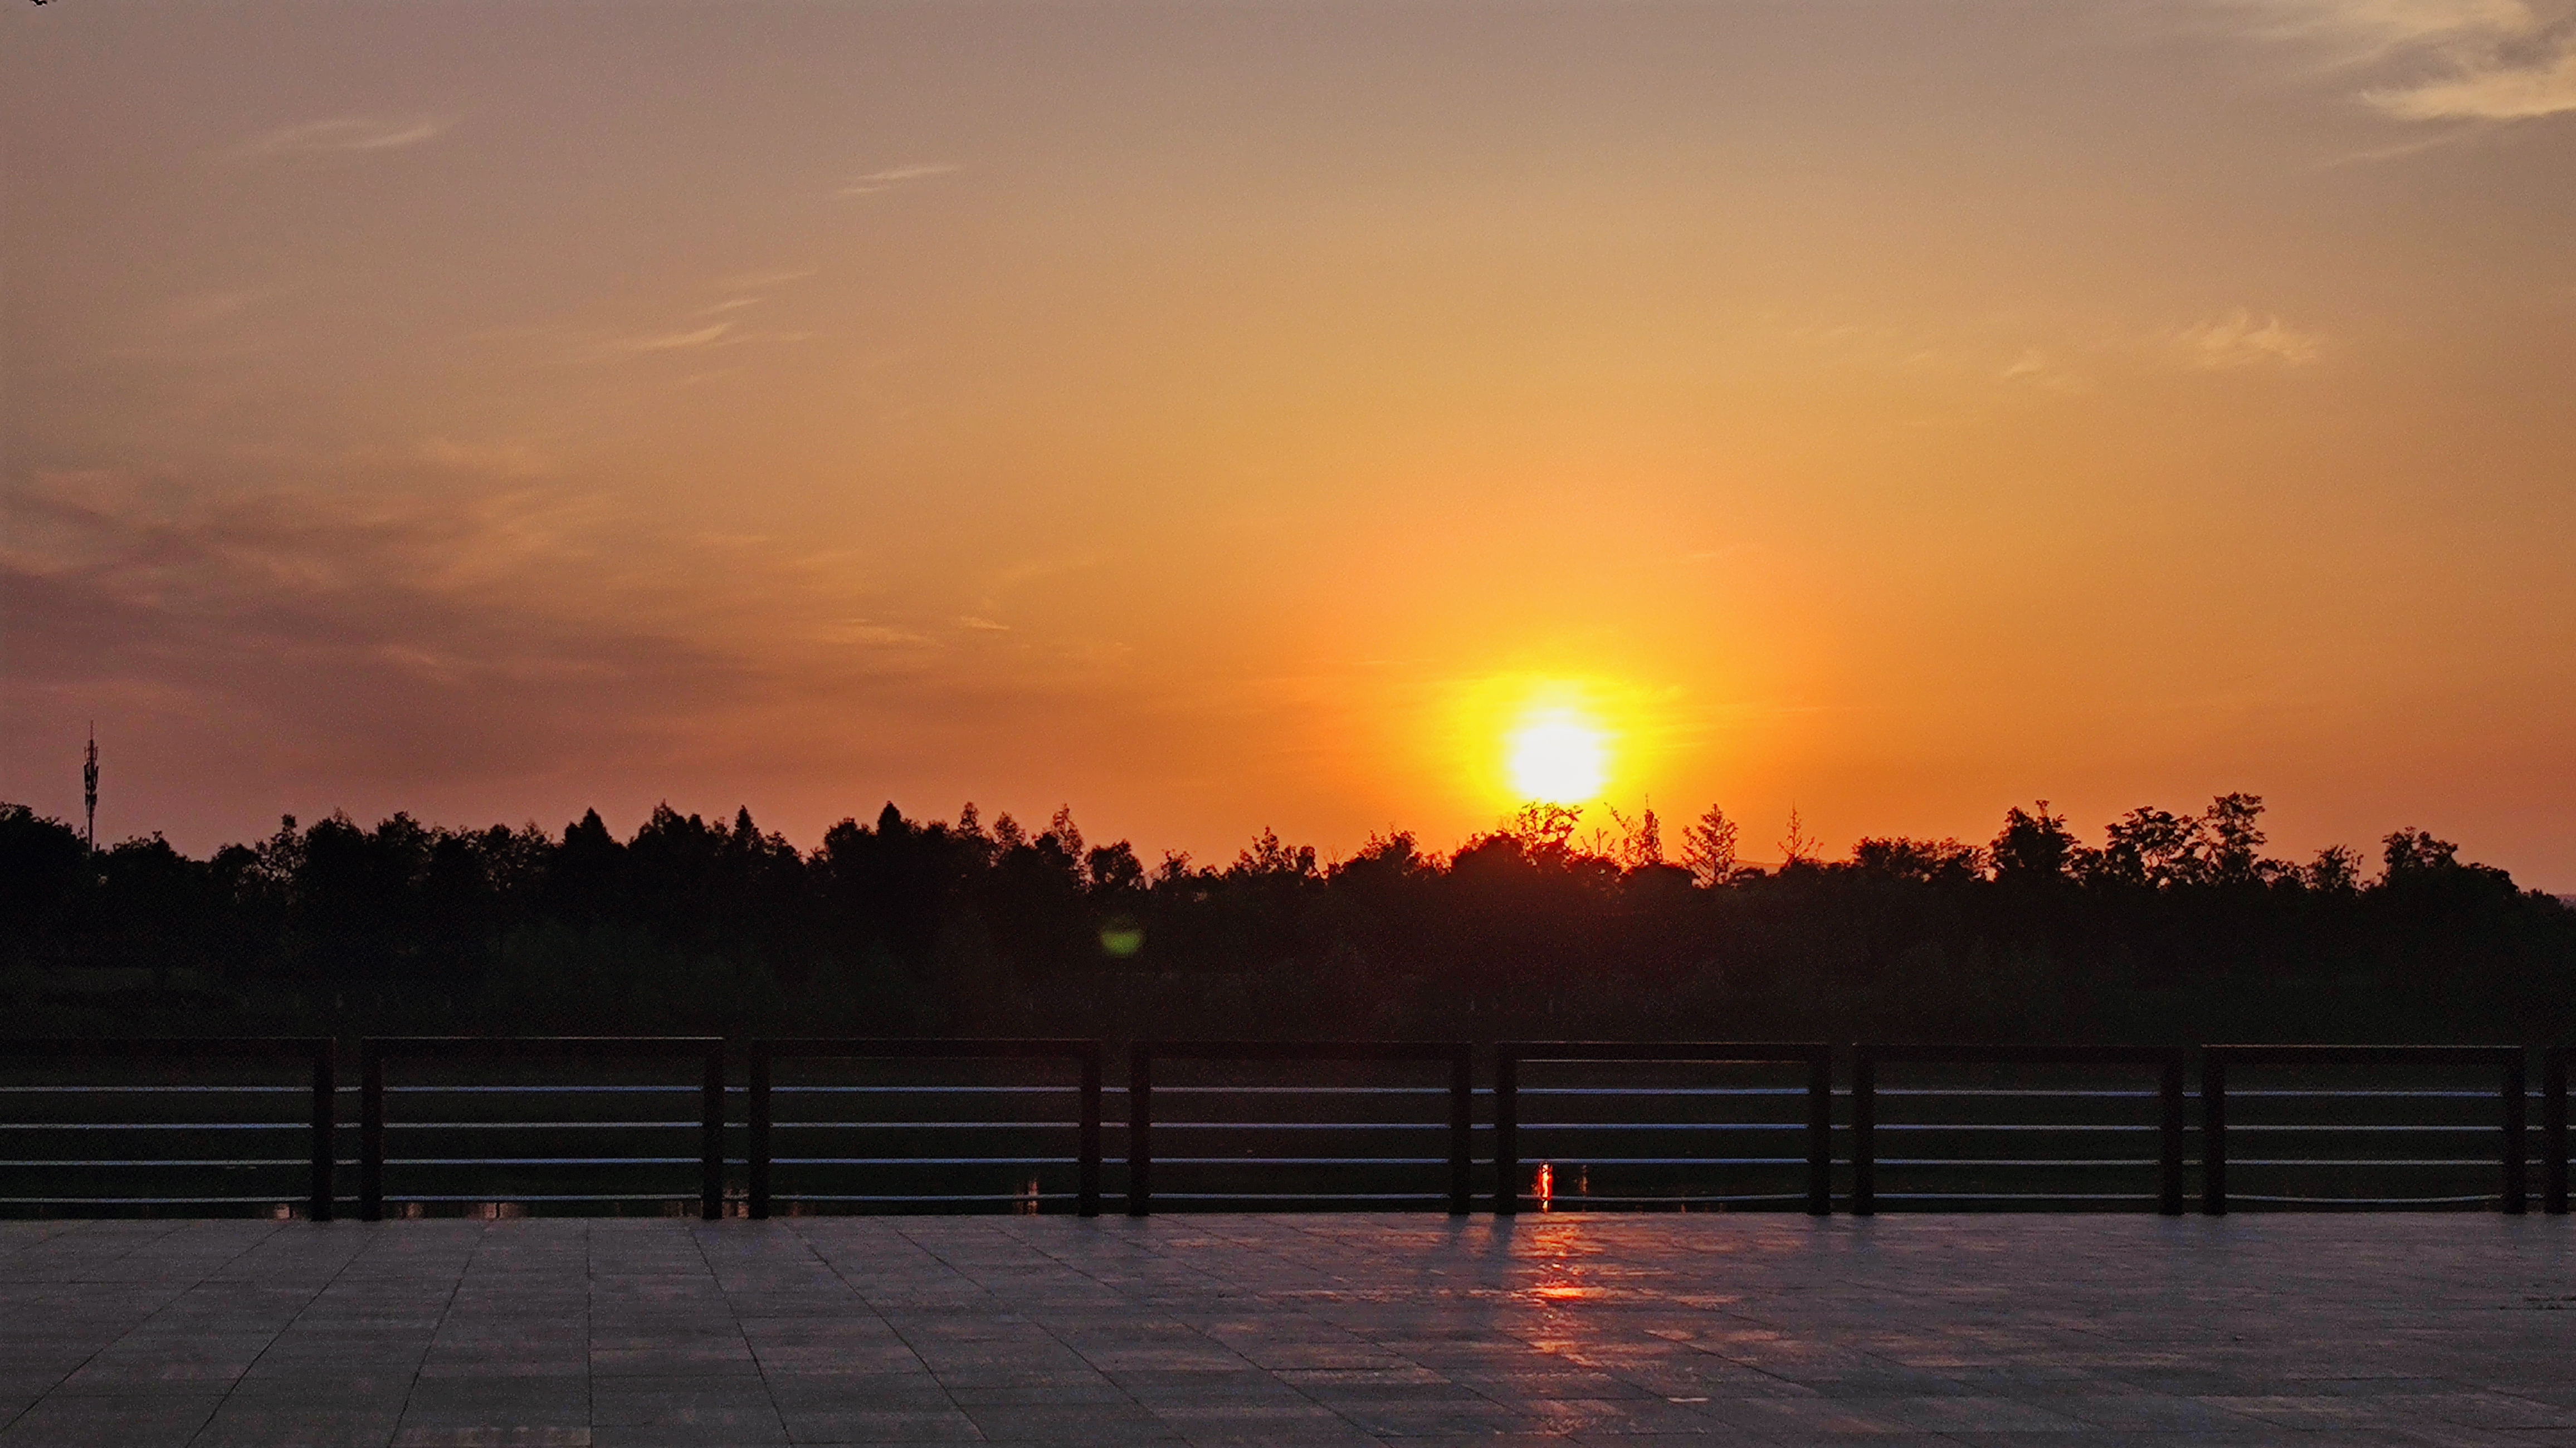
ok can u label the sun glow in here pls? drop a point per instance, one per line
(1559, 755)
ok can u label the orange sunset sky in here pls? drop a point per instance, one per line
(1220, 416)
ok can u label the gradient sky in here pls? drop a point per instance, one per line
(1220, 416)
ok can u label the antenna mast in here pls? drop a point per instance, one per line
(89, 787)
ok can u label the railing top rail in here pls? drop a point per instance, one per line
(1306, 1050)
(2009, 1053)
(555, 1047)
(960, 1047)
(149, 1046)
(2303, 1055)
(1735, 1052)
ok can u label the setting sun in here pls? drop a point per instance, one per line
(1560, 756)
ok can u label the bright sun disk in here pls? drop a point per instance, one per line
(1558, 756)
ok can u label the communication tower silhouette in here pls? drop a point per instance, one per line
(89, 789)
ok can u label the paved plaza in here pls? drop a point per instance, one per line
(1316, 1329)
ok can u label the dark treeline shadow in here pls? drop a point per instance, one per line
(2176, 927)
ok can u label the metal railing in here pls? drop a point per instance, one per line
(1816, 1056)
(315, 1052)
(2166, 1061)
(2510, 1157)
(1459, 1056)
(375, 1051)
(2223, 1090)
(2553, 1129)
(764, 1054)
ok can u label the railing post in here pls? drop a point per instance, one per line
(326, 1144)
(1864, 1191)
(1140, 1122)
(371, 1132)
(2517, 1085)
(1087, 1189)
(1507, 1132)
(2553, 1130)
(756, 1116)
(1820, 1133)
(1462, 1130)
(2169, 1137)
(711, 1181)
(2213, 1133)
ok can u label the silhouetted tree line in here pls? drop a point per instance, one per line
(2174, 927)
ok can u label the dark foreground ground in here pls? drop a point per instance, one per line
(1292, 1329)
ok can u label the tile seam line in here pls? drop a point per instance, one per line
(1052, 1335)
(872, 1310)
(698, 1239)
(446, 1309)
(248, 1368)
(1018, 1235)
(68, 1374)
(1306, 1233)
(68, 1227)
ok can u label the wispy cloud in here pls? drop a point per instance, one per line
(706, 336)
(893, 176)
(2439, 60)
(342, 135)
(2035, 367)
(482, 630)
(2238, 340)
(761, 281)
(2499, 88)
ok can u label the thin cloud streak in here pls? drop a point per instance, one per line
(876, 181)
(342, 135)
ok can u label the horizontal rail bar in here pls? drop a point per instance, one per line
(2480, 1197)
(2482, 1161)
(1679, 1197)
(542, 1160)
(926, 1160)
(915, 1125)
(270, 1199)
(1572, 1160)
(1922, 1126)
(1301, 1160)
(1304, 1196)
(18, 1162)
(541, 1197)
(925, 1197)
(112, 1089)
(1978, 1161)
(543, 1125)
(156, 1126)
(2019, 1196)
(1663, 1126)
